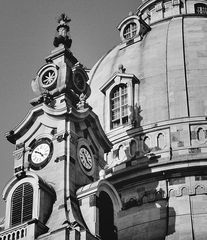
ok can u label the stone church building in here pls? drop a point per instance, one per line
(118, 152)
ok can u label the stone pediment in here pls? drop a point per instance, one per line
(118, 78)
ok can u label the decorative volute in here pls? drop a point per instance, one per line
(62, 72)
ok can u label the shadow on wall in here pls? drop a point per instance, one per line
(145, 210)
(107, 229)
(135, 116)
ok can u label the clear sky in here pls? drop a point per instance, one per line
(27, 28)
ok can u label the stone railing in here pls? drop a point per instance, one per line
(15, 233)
(26, 231)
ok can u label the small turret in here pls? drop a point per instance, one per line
(62, 73)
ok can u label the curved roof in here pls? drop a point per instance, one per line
(171, 64)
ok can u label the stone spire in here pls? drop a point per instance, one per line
(63, 32)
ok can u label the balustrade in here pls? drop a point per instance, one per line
(15, 233)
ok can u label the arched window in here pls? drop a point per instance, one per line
(146, 144)
(22, 204)
(119, 106)
(130, 31)
(201, 136)
(160, 141)
(121, 153)
(133, 148)
(201, 8)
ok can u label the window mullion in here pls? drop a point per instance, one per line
(130, 30)
(22, 210)
(120, 105)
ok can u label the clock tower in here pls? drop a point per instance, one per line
(59, 148)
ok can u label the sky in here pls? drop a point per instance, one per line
(27, 29)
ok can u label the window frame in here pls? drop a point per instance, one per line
(23, 198)
(198, 139)
(130, 30)
(122, 107)
(40, 188)
(133, 19)
(30, 180)
(132, 83)
(203, 8)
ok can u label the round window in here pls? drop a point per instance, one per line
(48, 76)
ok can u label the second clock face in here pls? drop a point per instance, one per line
(85, 158)
(79, 82)
(41, 153)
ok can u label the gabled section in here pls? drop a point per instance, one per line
(120, 91)
(117, 78)
(29, 201)
(13, 135)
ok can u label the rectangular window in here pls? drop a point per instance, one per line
(119, 106)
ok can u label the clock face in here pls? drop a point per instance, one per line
(41, 154)
(85, 158)
(79, 82)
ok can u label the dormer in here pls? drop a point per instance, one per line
(132, 29)
(119, 93)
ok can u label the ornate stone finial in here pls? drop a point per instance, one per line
(63, 19)
(121, 68)
(102, 174)
(63, 30)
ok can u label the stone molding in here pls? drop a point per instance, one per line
(146, 197)
(156, 195)
(197, 189)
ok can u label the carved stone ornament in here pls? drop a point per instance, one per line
(60, 158)
(18, 155)
(20, 145)
(63, 30)
(61, 137)
(197, 189)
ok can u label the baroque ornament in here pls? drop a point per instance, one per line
(63, 30)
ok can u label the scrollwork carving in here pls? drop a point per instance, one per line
(18, 155)
(61, 136)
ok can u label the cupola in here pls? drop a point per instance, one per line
(62, 73)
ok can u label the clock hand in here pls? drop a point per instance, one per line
(86, 158)
(39, 153)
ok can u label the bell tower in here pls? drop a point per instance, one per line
(59, 147)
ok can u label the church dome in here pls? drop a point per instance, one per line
(169, 62)
(171, 65)
(149, 93)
